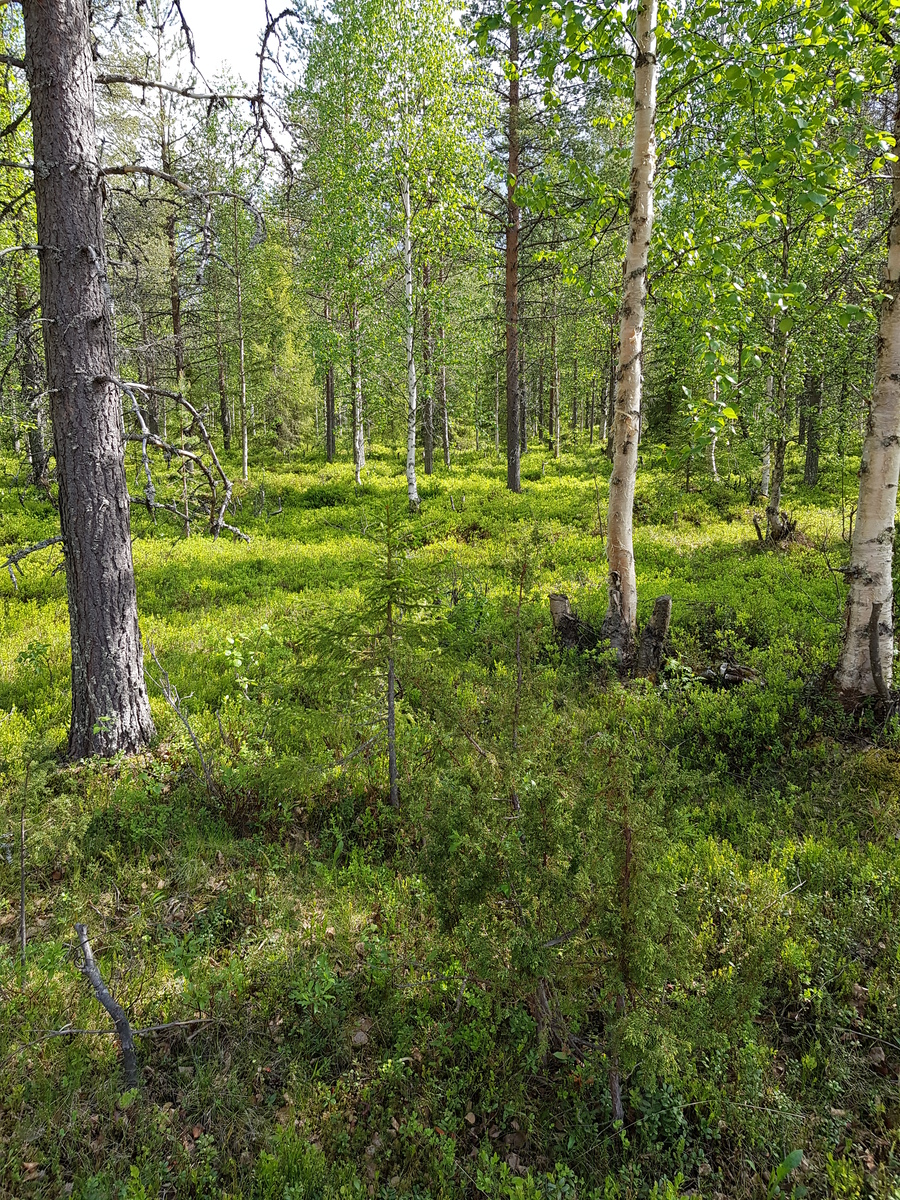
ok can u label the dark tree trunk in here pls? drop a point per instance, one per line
(513, 460)
(110, 710)
(224, 407)
(813, 401)
(329, 401)
(523, 401)
(37, 452)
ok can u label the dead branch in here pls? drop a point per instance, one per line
(173, 699)
(88, 967)
(14, 559)
(188, 93)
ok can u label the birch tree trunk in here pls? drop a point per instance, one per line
(411, 394)
(622, 612)
(871, 559)
(442, 390)
(513, 461)
(427, 376)
(241, 357)
(359, 443)
(110, 710)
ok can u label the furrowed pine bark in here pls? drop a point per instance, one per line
(110, 710)
(871, 557)
(412, 490)
(513, 453)
(626, 427)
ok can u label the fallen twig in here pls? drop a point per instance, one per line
(91, 971)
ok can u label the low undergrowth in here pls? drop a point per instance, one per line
(689, 890)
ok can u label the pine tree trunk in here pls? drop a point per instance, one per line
(871, 557)
(513, 453)
(110, 710)
(411, 388)
(626, 426)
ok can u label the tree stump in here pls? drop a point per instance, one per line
(653, 638)
(566, 625)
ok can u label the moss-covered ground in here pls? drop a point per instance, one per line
(695, 889)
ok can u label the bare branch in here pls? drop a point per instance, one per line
(9, 60)
(16, 122)
(188, 93)
(14, 559)
(88, 967)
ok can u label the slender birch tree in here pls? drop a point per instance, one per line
(866, 662)
(621, 616)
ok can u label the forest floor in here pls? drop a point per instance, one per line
(690, 889)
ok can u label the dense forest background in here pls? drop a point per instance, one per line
(430, 858)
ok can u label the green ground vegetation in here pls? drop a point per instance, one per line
(696, 888)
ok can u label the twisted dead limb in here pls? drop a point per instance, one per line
(14, 559)
(88, 967)
(220, 499)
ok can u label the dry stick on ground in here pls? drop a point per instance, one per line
(172, 698)
(91, 972)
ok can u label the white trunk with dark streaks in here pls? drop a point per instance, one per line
(359, 440)
(626, 426)
(872, 553)
(411, 392)
(109, 694)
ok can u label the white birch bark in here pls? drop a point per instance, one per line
(622, 612)
(359, 440)
(873, 536)
(411, 392)
(767, 417)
